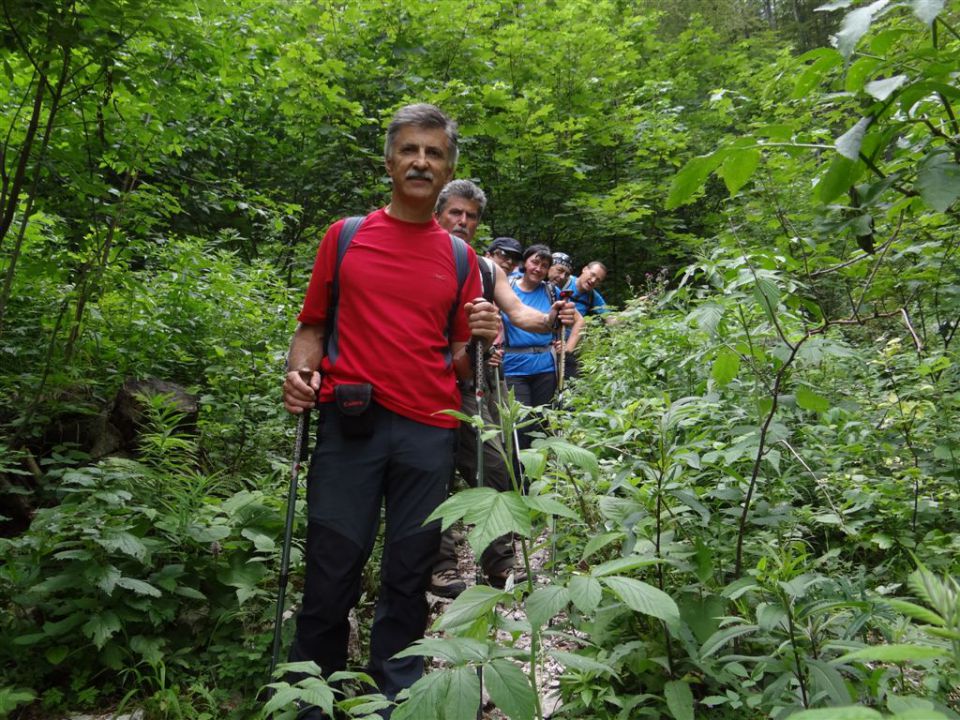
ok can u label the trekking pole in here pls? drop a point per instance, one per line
(300, 448)
(478, 394)
(564, 295)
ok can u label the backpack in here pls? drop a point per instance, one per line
(347, 231)
(488, 277)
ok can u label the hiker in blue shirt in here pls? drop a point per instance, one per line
(586, 297)
(528, 363)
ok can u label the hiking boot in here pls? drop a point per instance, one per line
(498, 579)
(447, 584)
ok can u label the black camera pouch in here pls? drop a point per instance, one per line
(353, 402)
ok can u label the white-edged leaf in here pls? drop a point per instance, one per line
(927, 10)
(882, 89)
(849, 143)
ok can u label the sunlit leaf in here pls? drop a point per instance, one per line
(509, 689)
(855, 25)
(644, 598)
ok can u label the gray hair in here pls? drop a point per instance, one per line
(462, 189)
(423, 115)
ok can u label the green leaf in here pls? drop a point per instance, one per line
(938, 181)
(315, 691)
(263, 543)
(102, 627)
(125, 543)
(622, 564)
(544, 603)
(455, 650)
(426, 698)
(475, 602)
(549, 506)
(767, 295)
(679, 699)
(809, 400)
(895, 654)
(927, 10)
(492, 513)
(11, 697)
(585, 592)
(570, 454)
(841, 174)
(644, 598)
(738, 168)
(581, 663)
(725, 366)
(824, 678)
(723, 636)
(916, 612)
(281, 698)
(138, 586)
(848, 144)
(510, 690)
(56, 654)
(598, 542)
(463, 694)
(854, 712)
(692, 177)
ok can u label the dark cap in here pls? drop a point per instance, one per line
(561, 258)
(507, 244)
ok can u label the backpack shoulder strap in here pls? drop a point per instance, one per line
(462, 262)
(331, 335)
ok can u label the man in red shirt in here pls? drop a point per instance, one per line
(395, 347)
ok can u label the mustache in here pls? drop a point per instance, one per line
(417, 175)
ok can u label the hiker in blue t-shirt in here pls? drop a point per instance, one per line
(586, 297)
(528, 363)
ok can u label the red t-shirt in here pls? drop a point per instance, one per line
(398, 281)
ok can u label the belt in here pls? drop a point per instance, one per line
(528, 349)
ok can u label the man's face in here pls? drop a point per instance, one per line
(507, 260)
(591, 277)
(460, 217)
(536, 268)
(418, 164)
(559, 274)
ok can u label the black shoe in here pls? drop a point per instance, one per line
(447, 584)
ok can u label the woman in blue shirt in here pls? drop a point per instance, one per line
(528, 362)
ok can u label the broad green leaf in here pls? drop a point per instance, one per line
(809, 400)
(848, 144)
(102, 627)
(544, 603)
(11, 697)
(463, 694)
(281, 698)
(56, 655)
(473, 603)
(679, 699)
(455, 650)
(125, 543)
(767, 295)
(692, 177)
(826, 679)
(315, 691)
(723, 636)
(570, 454)
(853, 712)
(261, 542)
(138, 586)
(107, 579)
(150, 649)
(738, 168)
(707, 316)
(534, 463)
(939, 181)
(916, 612)
(882, 89)
(581, 663)
(841, 174)
(644, 598)
(510, 690)
(621, 564)
(493, 514)
(895, 654)
(725, 366)
(927, 10)
(549, 506)
(426, 698)
(814, 73)
(598, 542)
(855, 25)
(585, 592)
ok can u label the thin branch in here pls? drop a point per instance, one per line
(821, 485)
(876, 267)
(916, 340)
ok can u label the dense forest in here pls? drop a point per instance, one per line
(750, 498)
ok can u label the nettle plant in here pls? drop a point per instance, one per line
(143, 566)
